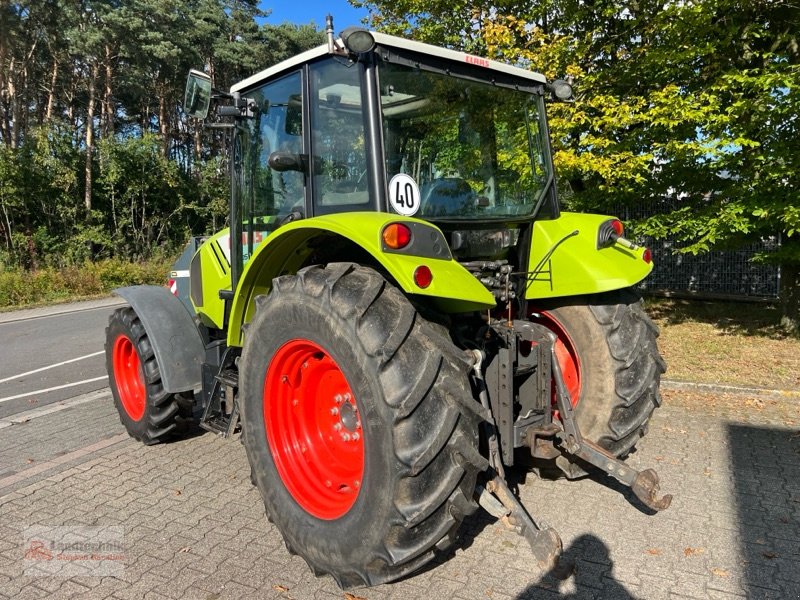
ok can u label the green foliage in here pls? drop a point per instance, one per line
(19, 287)
(106, 78)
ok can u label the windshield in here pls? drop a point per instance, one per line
(475, 150)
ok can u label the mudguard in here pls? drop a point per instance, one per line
(176, 342)
(452, 290)
(566, 261)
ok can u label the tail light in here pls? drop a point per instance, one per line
(647, 256)
(396, 236)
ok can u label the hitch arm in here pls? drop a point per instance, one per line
(644, 484)
(544, 541)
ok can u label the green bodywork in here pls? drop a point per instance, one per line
(453, 288)
(576, 266)
(215, 275)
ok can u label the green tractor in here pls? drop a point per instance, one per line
(400, 310)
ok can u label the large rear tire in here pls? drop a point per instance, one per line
(607, 351)
(148, 413)
(359, 424)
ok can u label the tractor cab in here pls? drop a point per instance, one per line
(402, 128)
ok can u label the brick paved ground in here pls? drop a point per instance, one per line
(195, 527)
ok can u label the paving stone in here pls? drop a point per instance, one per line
(195, 527)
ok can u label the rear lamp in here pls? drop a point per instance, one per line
(647, 256)
(396, 236)
(562, 90)
(423, 276)
(357, 40)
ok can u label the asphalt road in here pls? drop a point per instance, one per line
(52, 354)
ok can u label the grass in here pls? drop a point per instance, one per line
(736, 343)
(20, 288)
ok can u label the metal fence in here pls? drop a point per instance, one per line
(725, 272)
(729, 272)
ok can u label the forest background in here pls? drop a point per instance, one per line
(688, 105)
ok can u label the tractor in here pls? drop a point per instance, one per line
(400, 312)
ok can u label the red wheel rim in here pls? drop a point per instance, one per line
(314, 429)
(566, 355)
(128, 376)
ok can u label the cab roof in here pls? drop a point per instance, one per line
(390, 41)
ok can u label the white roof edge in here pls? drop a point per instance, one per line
(280, 67)
(454, 55)
(396, 42)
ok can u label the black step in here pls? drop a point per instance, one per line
(229, 377)
(216, 425)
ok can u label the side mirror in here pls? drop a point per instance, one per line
(198, 94)
(287, 161)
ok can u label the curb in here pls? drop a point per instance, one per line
(59, 309)
(729, 389)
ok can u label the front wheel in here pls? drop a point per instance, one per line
(358, 424)
(606, 348)
(148, 413)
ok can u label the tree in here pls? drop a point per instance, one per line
(694, 102)
(88, 89)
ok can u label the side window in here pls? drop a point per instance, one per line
(340, 162)
(267, 195)
(281, 130)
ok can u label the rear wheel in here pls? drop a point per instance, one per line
(148, 413)
(359, 424)
(606, 348)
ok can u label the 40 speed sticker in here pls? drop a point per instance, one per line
(404, 194)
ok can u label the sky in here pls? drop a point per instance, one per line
(304, 11)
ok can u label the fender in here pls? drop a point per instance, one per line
(575, 266)
(452, 290)
(176, 342)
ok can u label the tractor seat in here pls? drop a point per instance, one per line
(446, 196)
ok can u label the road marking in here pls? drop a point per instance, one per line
(24, 417)
(53, 366)
(53, 389)
(60, 460)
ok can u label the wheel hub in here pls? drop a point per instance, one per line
(348, 415)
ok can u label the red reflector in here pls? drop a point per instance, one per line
(423, 276)
(173, 286)
(618, 227)
(647, 256)
(396, 236)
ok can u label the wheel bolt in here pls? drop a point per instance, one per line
(334, 411)
(346, 437)
(356, 437)
(285, 379)
(338, 398)
(337, 426)
(347, 397)
(358, 424)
